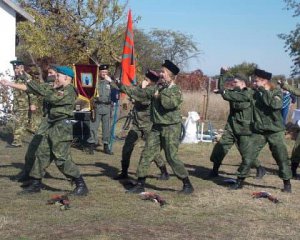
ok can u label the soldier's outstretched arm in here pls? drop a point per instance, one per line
(19, 86)
(291, 89)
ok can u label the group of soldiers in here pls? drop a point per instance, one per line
(254, 120)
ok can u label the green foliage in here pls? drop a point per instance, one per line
(72, 31)
(292, 40)
(244, 68)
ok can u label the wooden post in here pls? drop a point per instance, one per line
(203, 109)
(207, 100)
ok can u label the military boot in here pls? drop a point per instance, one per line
(287, 187)
(106, 149)
(260, 172)
(164, 173)
(121, 176)
(34, 187)
(22, 176)
(139, 187)
(81, 188)
(214, 172)
(294, 167)
(187, 186)
(238, 185)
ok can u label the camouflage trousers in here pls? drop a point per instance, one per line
(164, 137)
(131, 139)
(55, 145)
(20, 125)
(227, 140)
(276, 142)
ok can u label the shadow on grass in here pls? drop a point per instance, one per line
(203, 172)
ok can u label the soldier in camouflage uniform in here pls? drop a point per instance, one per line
(35, 145)
(141, 125)
(165, 133)
(268, 128)
(58, 129)
(102, 112)
(23, 105)
(239, 122)
(295, 157)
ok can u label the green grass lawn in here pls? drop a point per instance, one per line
(211, 212)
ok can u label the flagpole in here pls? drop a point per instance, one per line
(127, 76)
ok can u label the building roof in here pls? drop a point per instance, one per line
(22, 15)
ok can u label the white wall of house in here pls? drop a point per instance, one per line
(7, 39)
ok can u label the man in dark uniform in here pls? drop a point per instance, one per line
(102, 104)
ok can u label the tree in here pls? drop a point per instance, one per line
(72, 31)
(245, 68)
(154, 47)
(292, 40)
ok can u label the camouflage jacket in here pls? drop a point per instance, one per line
(241, 110)
(291, 89)
(61, 101)
(165, 109)
(141, 106)
(267, 110)
(22, 100)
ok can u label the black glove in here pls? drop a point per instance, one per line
(219, 91)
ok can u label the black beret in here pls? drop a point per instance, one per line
(262, 74)
(103, 67)
(152, 75)
(17, 62)
(171, 66)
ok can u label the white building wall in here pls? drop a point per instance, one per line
(7, 39)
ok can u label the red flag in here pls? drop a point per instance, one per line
(128, 61)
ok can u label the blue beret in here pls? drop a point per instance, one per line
(16, 62)
(64, 70)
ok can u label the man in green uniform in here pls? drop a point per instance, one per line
(141, 125)
(268, 128)
(35, 144)
(166, 129)
(238, 127)
(295, 157)
(23, 105)
(102, 112)
(58, 131)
